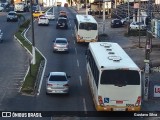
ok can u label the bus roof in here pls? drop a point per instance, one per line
(86, 18)
(109, 55)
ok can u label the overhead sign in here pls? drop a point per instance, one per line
(156, 91)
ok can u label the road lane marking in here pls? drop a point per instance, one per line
(77, 63)
(45, 63)
(76, 50)
(84, 106)
(80, 79)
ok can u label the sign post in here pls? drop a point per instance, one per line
(146, 79)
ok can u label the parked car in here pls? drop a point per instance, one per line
(137, 26)
(50, 15)
(62, 23)
(116, 23)
(43, 21)
(12, 16)
(57, 82)
(1, 7)
(126, 20)
(38, 13)
(60, 44)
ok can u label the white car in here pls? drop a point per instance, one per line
(50, 15)
(137, 25)
(1, 9)
(43, 21)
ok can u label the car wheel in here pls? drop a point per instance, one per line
(47, 93)
(56, 27)
(125, 22)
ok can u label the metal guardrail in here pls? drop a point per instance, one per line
(38, 78)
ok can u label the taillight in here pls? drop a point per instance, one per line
(100, 100)
(78, 37)
(66, 85)
(138, 102)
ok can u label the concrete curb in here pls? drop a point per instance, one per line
(45, 63)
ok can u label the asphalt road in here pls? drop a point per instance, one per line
(12, 61)
(73, 63)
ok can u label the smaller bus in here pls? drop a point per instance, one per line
(86, 28)
(114, 79)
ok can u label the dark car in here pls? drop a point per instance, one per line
(116, 23)
(12, 16)
(62, 23)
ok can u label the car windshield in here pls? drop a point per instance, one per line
(11, 14)
(57, 78)
(63, 16)
(61, 41)
(116, 21)
(49, 13)
(43, 18)
(120, 77)
(88, 26)
(62, 20)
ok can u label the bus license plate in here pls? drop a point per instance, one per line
(119, 109)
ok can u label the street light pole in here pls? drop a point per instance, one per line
(33, 42)
(86, 8)
(139, 24)
(128, 18)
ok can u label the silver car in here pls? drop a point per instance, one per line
(57, 82)
(60, 44)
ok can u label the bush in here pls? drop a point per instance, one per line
(136, 33)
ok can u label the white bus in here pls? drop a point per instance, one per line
(114, 79)
(86, 28)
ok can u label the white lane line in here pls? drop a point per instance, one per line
(80, 79)
(76, 50)
(77, 63)
(51, 118)
(84, 106)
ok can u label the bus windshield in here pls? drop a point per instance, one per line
(88, 26)
(120, 77)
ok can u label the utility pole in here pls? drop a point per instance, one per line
(33, 42)
(86, 8)
(103, 16)
(128, 18)
(147, 52)
(139, 14)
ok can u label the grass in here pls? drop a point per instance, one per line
(30, 80)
